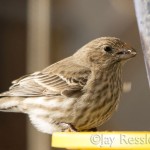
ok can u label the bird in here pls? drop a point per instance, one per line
(78, 93)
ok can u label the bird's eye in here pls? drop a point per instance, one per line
(108, 49)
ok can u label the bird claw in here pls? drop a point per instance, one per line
(69, 130)
(68, 127)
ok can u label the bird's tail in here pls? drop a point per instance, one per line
(10, 104)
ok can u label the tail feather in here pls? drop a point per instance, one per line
(9, 104)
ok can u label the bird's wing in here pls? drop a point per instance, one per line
(47, 84)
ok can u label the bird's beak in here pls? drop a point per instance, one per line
(126, 54)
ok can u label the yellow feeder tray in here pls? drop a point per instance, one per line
(102, 140)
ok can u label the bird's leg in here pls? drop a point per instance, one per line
(71, 128)
(68, 127)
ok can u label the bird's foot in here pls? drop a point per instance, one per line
(66, 127)
(69, 130)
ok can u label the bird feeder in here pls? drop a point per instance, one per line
(102, 140)
(142, 8)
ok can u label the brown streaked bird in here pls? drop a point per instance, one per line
(77, 93)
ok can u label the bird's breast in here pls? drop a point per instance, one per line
(98, 102)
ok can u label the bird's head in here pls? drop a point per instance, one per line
(105, 52)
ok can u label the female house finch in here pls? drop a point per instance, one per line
(79, 92)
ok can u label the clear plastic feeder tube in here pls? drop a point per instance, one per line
(142, 9)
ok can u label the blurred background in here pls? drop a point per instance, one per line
(36, 33)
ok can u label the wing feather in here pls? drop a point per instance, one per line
(46, 84)
(62, 78)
